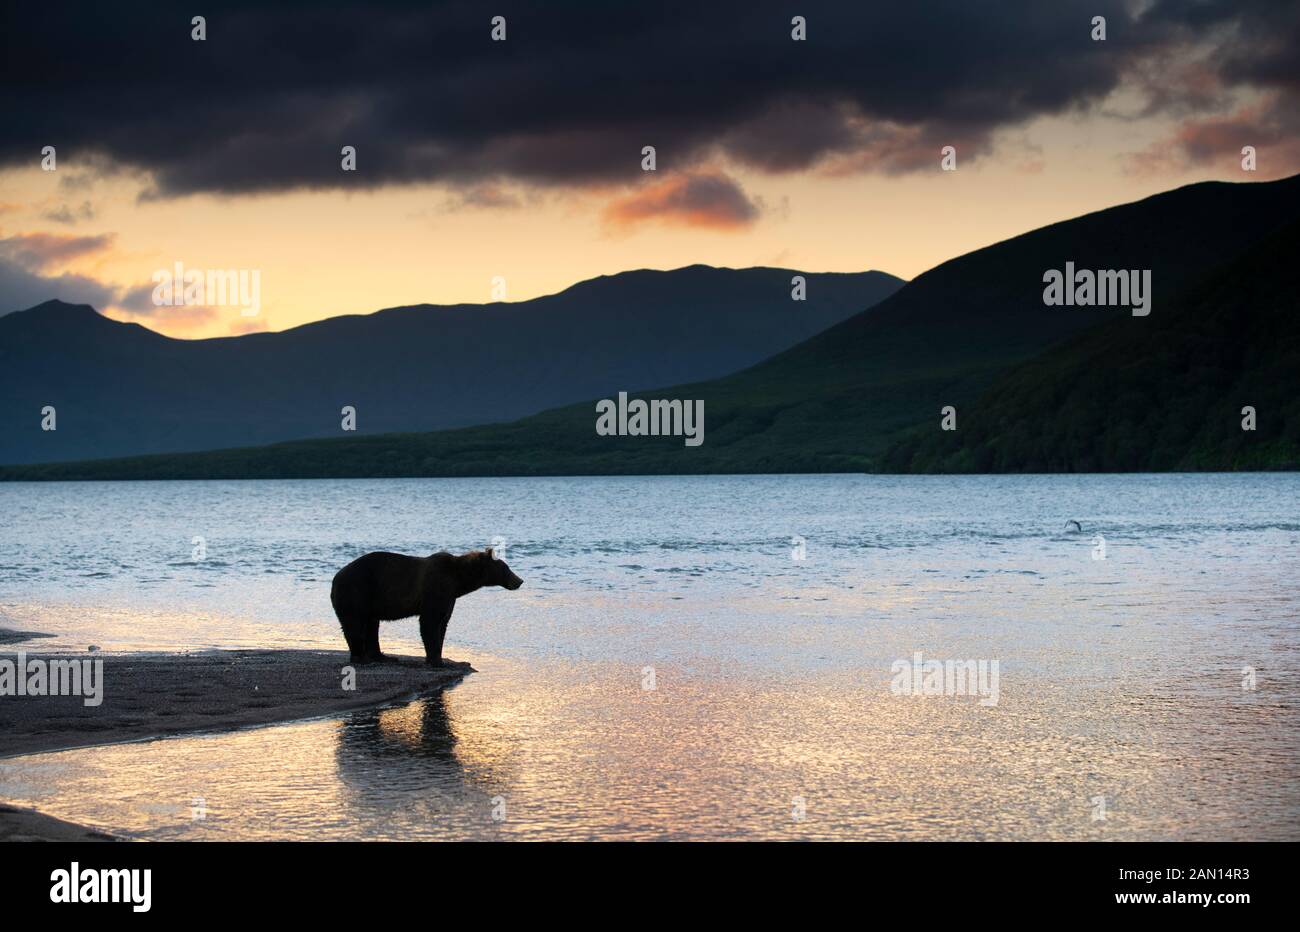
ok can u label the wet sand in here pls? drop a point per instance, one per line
(12, 636)
(156, 695)
(29, 825)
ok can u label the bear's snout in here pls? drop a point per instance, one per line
(513, 583)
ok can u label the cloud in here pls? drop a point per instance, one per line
(40, 251)
(25, 260)
(172, 318)
(21, 288)
(70, 215)
(137, 301)
(710, 201)
(267, 102)
(1272, 127)
(249, 325)
(136, 304)
(487, 196)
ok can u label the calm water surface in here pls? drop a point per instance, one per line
(771, 713)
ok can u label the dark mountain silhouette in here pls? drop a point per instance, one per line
(864, 394)
(1165, 397)
(123, 389)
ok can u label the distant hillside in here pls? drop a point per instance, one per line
(122, 389)
(862, 395)
(1165, 394)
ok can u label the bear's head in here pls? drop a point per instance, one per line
(496, 573)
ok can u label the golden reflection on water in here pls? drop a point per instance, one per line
(533, 751)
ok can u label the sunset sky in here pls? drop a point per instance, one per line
(523, 158)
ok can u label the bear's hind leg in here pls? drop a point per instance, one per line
(354, 632)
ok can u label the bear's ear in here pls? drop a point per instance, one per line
(489, 554)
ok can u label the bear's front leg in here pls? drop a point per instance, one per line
(433, 628)
(373, 653)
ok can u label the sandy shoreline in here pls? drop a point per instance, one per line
(157, 695)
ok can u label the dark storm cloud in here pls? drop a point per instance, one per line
(1256, 42)
(579, 88)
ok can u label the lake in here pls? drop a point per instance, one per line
(706, 657)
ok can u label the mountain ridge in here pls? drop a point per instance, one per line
(1227, 345)
(121, 389)
(843, 399)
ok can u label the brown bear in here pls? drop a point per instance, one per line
(387, 586)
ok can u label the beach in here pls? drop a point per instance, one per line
(150, 696)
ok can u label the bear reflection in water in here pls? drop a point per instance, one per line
(409, 758)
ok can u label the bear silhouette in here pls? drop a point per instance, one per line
(385, 586)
